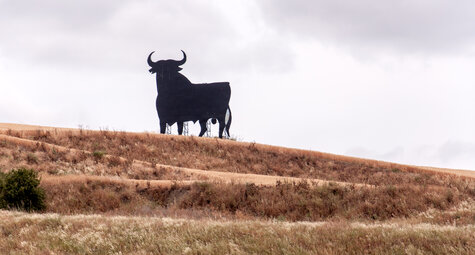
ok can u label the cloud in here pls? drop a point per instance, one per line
(395, 154)
(453, 150)
(408, 26)
(451, 154)
(97, 34)
(118, 35)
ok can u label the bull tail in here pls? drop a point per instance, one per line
(227, 120)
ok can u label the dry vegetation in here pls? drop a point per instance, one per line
(152, 176)
(136, 174)
(95, 234)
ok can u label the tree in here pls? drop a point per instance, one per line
(20, 190)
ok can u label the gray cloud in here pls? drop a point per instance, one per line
(395, 154)
(95, 33)
(120, 34)
(451, 154)
(67, 14)
(453, 150)
(421, 26)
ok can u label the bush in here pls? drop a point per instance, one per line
(3, 204)
(19, 190)
(98, 155)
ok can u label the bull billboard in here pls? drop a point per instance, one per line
(179, 100)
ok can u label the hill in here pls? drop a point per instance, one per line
(222, 185)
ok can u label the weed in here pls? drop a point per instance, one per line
(98, 155)
(114, 161)
(31, 158)
(396, 170)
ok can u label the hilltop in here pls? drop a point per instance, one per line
(110, 174)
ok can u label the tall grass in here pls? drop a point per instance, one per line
(50, 233)
(285, 201)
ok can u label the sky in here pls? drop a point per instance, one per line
(387, 80)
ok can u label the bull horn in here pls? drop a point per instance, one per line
(149, 59)
(181, 62)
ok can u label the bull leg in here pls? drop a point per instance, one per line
(228, 120)
(163, 127)
(180, 127)
(203, 127)
(221, 126)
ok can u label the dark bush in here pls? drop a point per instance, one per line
(19, 190)
(3, 204)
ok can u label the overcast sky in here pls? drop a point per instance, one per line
(389, 80)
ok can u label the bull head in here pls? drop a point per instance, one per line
(165, 67)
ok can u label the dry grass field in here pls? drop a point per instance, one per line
(110, 192)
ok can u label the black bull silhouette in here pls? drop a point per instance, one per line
(179, 100)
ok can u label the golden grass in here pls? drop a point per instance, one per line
(28, 130)
(230, 156)
(201, 174)
(96, 234)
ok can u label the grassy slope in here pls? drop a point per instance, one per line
(118, 173)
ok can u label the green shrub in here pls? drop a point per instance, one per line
(98, 155)
(3, 204)
(19, 190)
